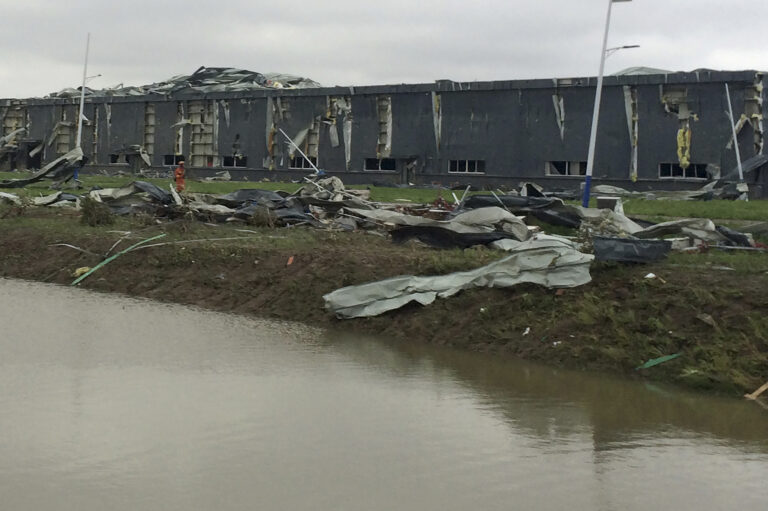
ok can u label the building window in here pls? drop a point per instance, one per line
(172, 159)
(380, 164)
(466, 167)
(299, 162)
(675, 171)
(565, 168)
(117, 159)
(234, 161)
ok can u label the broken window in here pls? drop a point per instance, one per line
(675, 171)
(380, 164)
(172, 159)
(466, 167)
(299, 162)
(565, 168)
(117, 159)
(234, 161)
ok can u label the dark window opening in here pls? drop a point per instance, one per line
(389, 164)
(565, 168)
(115, 158)
(299, 162)
(234, 161)
(172, 159)
(466, 166)
(675, 171)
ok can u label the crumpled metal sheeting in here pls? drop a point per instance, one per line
(111, 194)
(704, 193)
(333, 206)
(697, 228)
(205, 79)
(206, 211)
(628, 250)
(10, 198)
(719, 189)
(540, 240)
(248, 195)
(330, 188)
(550, 264)
(57, 168)
(10, 136)
(438, 237)
(49, 200)
(285, 214)
(603, 222)
(747, 166)
(549, 210)
(476, 220)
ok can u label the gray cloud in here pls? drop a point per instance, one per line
(366, 42)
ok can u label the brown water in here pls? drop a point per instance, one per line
(109, 403)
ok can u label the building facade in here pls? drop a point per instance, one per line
(663, 131)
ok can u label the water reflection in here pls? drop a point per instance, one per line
(617, 411)
(122, 404)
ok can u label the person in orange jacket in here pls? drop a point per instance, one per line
(179, 174)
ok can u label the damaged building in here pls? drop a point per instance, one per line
(656, 131)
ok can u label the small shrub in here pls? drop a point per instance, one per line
(95, 213)
(263, 217)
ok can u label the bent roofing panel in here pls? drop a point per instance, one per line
(243, 84)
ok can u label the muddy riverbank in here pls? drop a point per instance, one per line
(711, 314)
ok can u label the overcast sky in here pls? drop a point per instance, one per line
(361, 42)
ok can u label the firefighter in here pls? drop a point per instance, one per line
(179, 174)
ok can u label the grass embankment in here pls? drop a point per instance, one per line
(615, 323)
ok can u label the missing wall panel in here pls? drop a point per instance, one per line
(149, 129)
(384, 115)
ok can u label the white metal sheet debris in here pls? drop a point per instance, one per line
(550, 263)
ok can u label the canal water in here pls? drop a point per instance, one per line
(113, 403)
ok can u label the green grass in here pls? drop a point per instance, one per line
(717, 260)
(716, 209)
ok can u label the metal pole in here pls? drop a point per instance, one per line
(82, 94)
(596, 112)
(733, 130)
(299, 150)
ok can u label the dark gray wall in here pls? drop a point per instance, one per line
(512, 126)
(246, 119)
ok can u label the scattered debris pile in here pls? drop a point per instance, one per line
(492, 220)
(60, 170)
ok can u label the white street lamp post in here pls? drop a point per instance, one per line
(596, 111)
(82, 94)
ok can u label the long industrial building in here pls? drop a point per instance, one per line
(656, 131)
